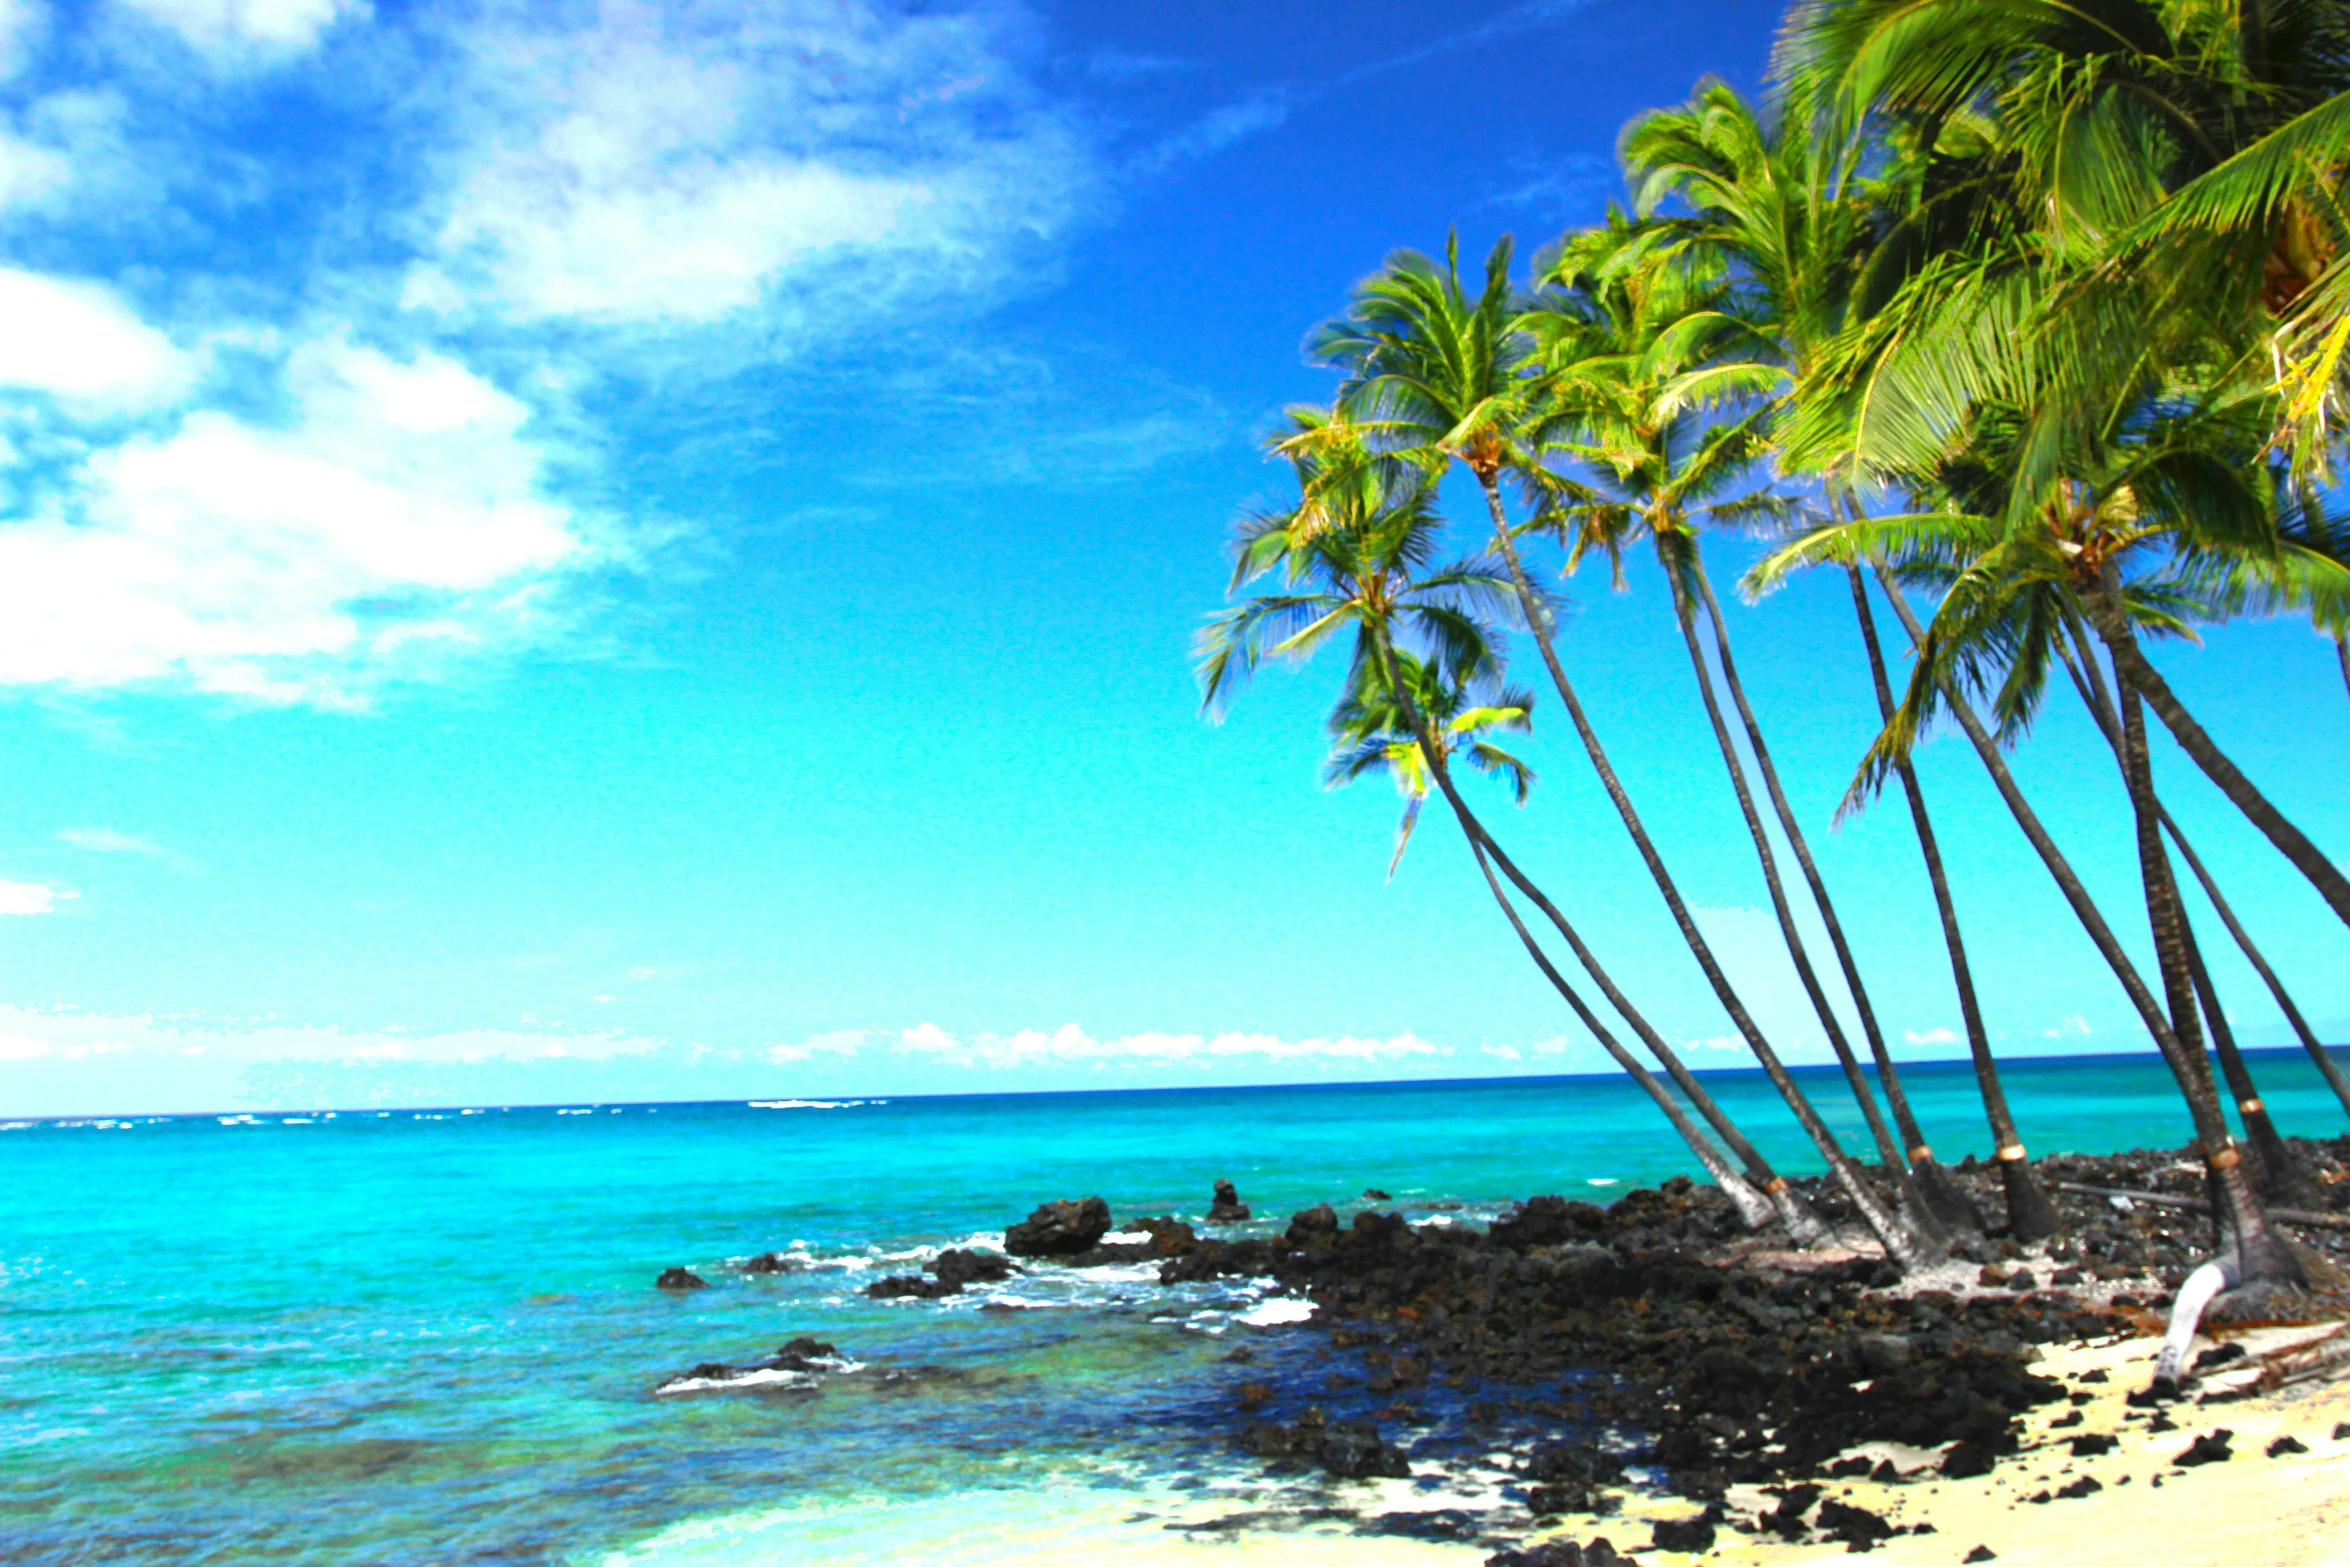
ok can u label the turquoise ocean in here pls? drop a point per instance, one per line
(432, 1336)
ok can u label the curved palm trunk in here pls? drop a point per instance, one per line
(2250, 1249)
(2030, 1215)
(1538, 619)
(2281, 1179)
(2140, 676)
(1764, 1185)
(1926, 1186)
(2089, 681)
(2342, 653)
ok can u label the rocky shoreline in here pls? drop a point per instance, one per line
(1578, 1365)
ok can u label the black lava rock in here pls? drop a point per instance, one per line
(957, 1267)
(680, 1279)
(1683, 1534)
(1981, 1553)
(771, 1262)
(1352, 1450)
(2091, 1445)
(910, 1286)
(2085, 1486)
(1227, 1208)
(2285, 1445)
(1060, 1229)
(2209, 1448)
(1852, 1525)
(1965, 1460)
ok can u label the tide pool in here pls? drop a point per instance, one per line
(432, 1337)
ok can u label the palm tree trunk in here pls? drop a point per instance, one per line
(2139, 674)
(1538, 620)
(2030, 1215)
(1927, 1186)
(2342, 654)
(2254, 1251)
(2281, 1179)
(2301, 1029)
(1764, 1185)
(1754, 1209)
(2089, 681)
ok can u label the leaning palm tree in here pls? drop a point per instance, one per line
(1357, 554)
(1795, 254)
(1619, 340)
(1439, 377)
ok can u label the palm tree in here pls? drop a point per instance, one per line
(1440, 377)
(1372, 739)
(1619, 339)
(1412, 723)
(2030, 1215)
(2102, 114)
(1797, 254)
(1357, 553)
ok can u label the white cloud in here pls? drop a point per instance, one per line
(396, 519)
(2074, 1027)
(28, 897)
(678, 165)
(1932, 1036)
(1070, 1044)
(21, 24)
(81, 344)
(256, 30)
(1215, 131)
(105, 840)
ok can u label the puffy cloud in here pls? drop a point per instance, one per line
(28, 897)
(1932, 1036)
(81, 344)
(679, 165)
(395, 518)
(248, 30)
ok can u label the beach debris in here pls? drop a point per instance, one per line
(679, 1279)
(2209, 1448)
(1060, 1229)
(1226, 1207)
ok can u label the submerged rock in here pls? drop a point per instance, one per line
(1060, 1229)
(676, 1279)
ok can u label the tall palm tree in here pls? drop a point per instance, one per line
(1358, 553)
(2030, 1215)
(1435, 373)
(1618, 342)
(1797, 252)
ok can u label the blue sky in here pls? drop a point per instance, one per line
(555, 552)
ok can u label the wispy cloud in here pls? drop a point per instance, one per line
(105, 840)
(1932, 1036)
(1071, 1045)
(1215, 131)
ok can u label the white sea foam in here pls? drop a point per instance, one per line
(813, 1104)
(1280, 1310)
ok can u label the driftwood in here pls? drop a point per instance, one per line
(2322, 1221)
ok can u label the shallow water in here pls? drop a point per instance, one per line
(431, 1337)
